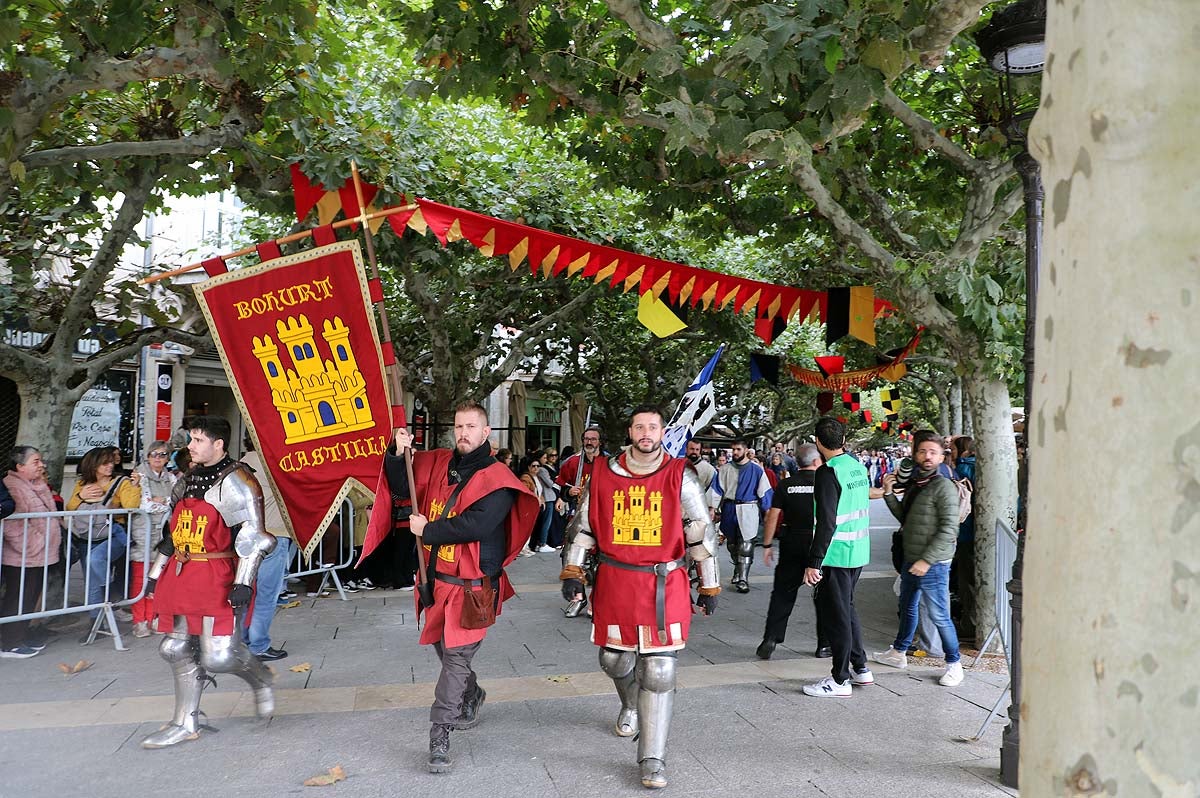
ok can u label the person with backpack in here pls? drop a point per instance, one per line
(962, 571)
(929, 515)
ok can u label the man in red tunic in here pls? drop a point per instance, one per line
(203, 575)
(473, 516)
(644, 513)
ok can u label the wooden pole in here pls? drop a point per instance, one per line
(303, 234)
(392, 370)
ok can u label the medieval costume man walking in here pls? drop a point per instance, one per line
(474, 517)
(644, 513)
(203, 575)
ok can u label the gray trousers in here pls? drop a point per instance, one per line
(454, 683)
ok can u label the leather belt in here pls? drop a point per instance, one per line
(187, 556)
(661, 571)
(454, 580)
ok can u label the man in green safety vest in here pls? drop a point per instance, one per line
(841, 547)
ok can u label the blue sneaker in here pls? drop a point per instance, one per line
(19, 652)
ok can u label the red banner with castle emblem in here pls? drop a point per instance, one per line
(297, 338)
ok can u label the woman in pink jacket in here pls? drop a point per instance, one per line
(30, 546)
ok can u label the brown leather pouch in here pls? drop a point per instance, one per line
(479, 606)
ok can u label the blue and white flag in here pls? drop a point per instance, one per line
(695, 410)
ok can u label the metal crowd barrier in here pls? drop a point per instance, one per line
(64, 590)
(1006, 556)
(334, 552)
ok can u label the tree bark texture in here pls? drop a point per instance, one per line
(1112, 568)
(956, 407)
(995, 485)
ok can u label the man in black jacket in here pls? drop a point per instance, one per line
(791, 520)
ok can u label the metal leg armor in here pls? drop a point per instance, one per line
(228, 654)
(180, 650)
(656, 675)
(620, 667)
(741, 568)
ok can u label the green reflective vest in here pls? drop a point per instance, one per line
(851, 544)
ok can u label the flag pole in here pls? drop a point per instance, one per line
(395, 384)
(288, 239)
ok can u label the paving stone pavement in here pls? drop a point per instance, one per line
(741, 725)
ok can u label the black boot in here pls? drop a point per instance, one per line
(439, 749)
(468, 717)
(766, 648)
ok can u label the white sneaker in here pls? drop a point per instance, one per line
(892, 657)
(527, 553)
(366, 584)
(828, 688)
(546, 549)
(862, 678)
(953, 676)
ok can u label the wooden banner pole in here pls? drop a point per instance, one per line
(395, 384)
(303, 234)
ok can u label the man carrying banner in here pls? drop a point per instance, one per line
(574, 475)
(745, 494)
(203, 575)
(473, 516)
(644, 513)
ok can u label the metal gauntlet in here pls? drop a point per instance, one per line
(579, 535)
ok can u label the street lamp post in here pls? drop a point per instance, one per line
(1014, 43)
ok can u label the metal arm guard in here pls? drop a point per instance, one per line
(698, 530)
(252, 547)
(239, 499)
(160, 563)
(579, 536)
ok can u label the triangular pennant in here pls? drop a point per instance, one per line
(824, 402)
(837, 315)
(830, 364)
(305, 193)
(657, 317)
(764, 367)
(769, 329)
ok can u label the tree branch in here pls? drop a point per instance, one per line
(972, 238)
(881, 209)
(943, 22)
(91, 284)
(927, 136)
(227, 135)
(651, 35)
(133, 343)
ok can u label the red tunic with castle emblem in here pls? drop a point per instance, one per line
(637, 520)
(196, 588)
(461, 560)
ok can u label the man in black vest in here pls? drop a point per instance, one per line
(791, 520)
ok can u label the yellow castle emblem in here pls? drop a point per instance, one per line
(637, 524)
(188, 533)
(315, 398)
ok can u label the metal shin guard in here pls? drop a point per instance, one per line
(620, 667)
(743, 559)
(228, 654)
(189, 684)
(656, 676)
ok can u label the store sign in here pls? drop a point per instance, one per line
(162, 404)
(540, 411)
(96, 422)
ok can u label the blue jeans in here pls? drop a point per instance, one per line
(935, 587)
(269, 584)
(97, 565)
(542, 528)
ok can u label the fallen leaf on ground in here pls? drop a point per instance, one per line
(558, 678)
(303, 667)
(331, 776)
(289, 605)
(78, 667)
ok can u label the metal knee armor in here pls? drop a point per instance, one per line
(620, 667)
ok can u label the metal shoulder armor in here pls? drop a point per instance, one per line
(238, 498)
(698, 529)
